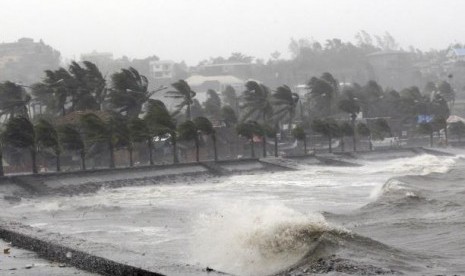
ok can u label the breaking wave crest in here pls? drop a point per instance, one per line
(251, 239)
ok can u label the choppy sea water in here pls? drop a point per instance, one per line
(396, 216)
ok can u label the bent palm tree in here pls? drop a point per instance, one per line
(286, 102)
(47, 137)
(185, 93)
(205, 126)
(257, 102)
(71, 139)
(20, 133)
(13, 100)
(188, 131)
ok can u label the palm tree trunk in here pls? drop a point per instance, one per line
(305, 144)
(354, 138)
(215, 152)
(276, 145)
(264, 145)
(175, 149)
(2, 173)
(83, 160)
(131, 160)
(197, 149)
(58, 161)
(150, 146)
(112, 154)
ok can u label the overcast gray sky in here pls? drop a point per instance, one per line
(193, 30)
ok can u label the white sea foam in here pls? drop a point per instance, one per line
(253, 239)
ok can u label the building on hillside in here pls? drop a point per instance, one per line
(24, 61)
(162, 69)
(201, 84)
(392, 68)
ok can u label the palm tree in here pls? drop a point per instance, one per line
(286, 102)
(299, 133)
(183, 92)
(20, 133)
(160, 122)
(13, 100)
(71, 139)
(129, 92)
(322, 94)
(350, 105)
(248, 130)
(257, 102)
(47, 137)
(212, 105)
(205, 126)
(97, 130)
(346, 129)
(188, 131)
(271, 132)
(328, 128)
(137, 131)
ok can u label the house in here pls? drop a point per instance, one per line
(162, 69)
(201, 84)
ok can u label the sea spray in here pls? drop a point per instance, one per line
(254, 239)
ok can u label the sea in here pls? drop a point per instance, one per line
(396, 216)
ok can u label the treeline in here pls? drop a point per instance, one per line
(75, 110)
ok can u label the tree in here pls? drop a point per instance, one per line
(230, 98)
(363, 130)
(457, 128)
(160, 122)
(350, 105)
(380, 129)
(204, 126)
(248, 130)
(138, 131)
(257, 102)
(188, 131)
(213, 105)
(426, 128)
(228, 116)
(328, 128)
(47, 137)
(321, 93)
(286, 102)
(20, 133)
(185, 94)
(299, 133)
(129, 92)
(447, 92)
(97, 130)
(13, 100)
(71, 139)
(271, 132)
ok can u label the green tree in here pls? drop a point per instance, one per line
(204, 126)
(321, 94)
(97, 130)
(20, 133)
(350, 105)
(13, 100)
(247, 130)
(257, 102)
(328, 128)
(228, 116)
(188, 131)
(185, 94)
(286, 102)
(160, 122)
(129, 92)
(72, 139)
(299, 133)
(457, 128)
(212, 105)
(47, 138)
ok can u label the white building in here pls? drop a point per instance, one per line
(201, 84)
(162, 69)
